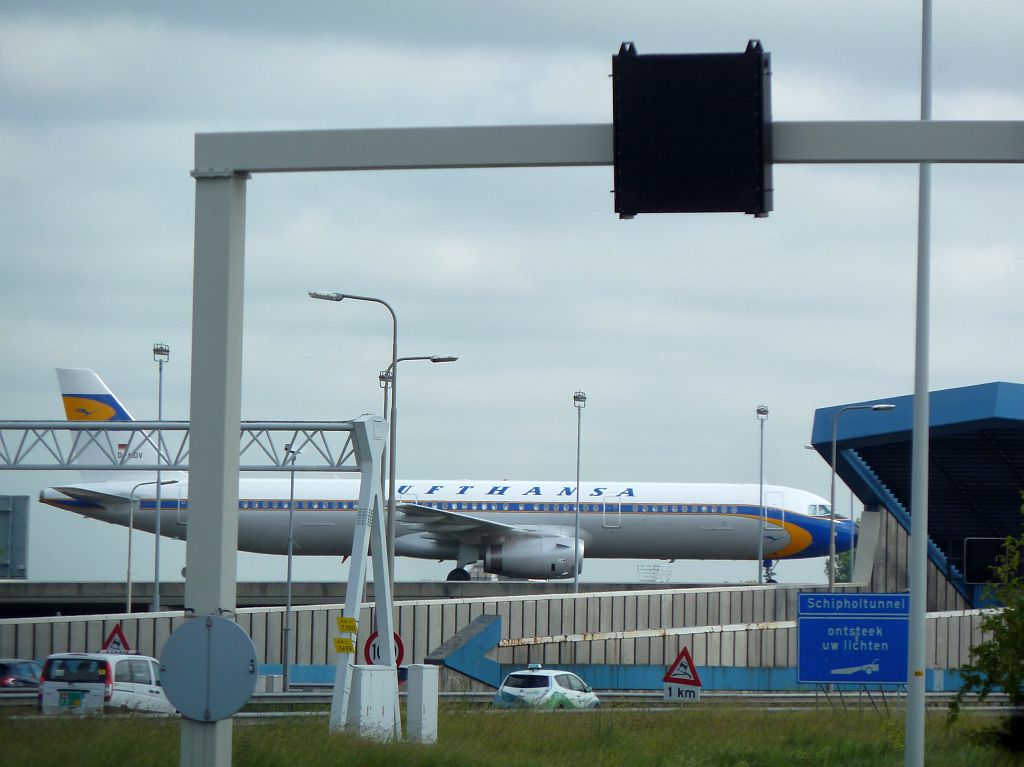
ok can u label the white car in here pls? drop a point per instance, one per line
(93, 682)
(544, 688)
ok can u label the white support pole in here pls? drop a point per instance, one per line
(211, 553)
(918, 568)
(369, 437)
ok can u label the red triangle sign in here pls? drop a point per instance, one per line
(116, 643)
(683, 671)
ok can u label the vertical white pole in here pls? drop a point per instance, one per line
(128, 575)
(918, 570)
(286, 650)
(159, 495)
(762, 416)
(211, 553)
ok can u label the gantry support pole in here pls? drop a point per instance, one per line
(212, 550)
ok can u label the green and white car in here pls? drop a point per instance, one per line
(537, 687)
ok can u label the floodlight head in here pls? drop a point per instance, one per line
(326, 296)
(579, 399)
(161, 352)
(762, 411)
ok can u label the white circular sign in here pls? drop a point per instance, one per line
(374, 653)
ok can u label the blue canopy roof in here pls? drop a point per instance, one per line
(976, 463)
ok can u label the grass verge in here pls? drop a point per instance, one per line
(695, 735)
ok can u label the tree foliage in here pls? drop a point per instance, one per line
(998, 662)
(844, 566)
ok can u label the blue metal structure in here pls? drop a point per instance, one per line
(976, 469)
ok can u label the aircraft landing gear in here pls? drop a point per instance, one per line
(769, 571)
(458, 574)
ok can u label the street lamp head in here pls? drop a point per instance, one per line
(762, 411)
(884, 406)
(161, 352)
(442, 358)
(326, 296)
(579, 399)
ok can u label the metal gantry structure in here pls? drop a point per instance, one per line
(325, 446)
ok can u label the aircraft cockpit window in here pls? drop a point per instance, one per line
(819, 510)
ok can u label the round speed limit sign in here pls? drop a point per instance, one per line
(373, 652)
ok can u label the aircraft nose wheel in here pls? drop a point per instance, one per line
(769, 571)
(458, 574)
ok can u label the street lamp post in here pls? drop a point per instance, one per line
(579, 400)
(385, 375)
(390, 529)
(832, 496)
(161, 355)
(131, 528)
(387, 382)
(762, 416)
(290, 456)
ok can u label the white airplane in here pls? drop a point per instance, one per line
(520, 529)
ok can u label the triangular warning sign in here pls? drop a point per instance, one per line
(683, 671)
(116, 644)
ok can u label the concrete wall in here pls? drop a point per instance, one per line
(891, 563)
(670, 618)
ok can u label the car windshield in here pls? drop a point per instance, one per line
(526, 680)
(77, 670)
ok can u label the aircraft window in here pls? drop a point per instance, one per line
(818, 510)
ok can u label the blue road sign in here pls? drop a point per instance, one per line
(852, 638)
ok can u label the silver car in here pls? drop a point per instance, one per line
(93, 682)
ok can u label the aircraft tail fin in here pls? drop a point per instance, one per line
(87, 398)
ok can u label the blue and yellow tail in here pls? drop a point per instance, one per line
(87, 398)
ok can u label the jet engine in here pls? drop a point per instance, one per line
(547, 557)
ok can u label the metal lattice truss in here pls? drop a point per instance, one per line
(325, 446)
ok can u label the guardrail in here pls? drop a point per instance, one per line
(283, 701)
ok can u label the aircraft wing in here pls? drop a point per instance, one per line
(438, 523)
(92, 496)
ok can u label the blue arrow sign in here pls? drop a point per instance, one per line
(465, 652)
(852, 638)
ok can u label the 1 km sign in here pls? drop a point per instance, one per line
(681, 681)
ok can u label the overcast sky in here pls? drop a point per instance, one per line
(675, 326)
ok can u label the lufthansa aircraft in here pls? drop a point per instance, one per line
(520, 529)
